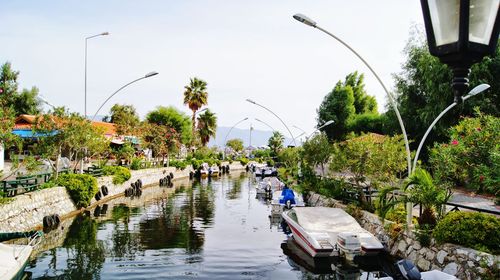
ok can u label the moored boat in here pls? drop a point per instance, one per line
(320, 230)
(285, 200)
(15, 258)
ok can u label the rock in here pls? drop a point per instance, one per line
(470, 264)
(413, 256)
(417, 245)
(451, 268)
(462, 252)
(402, 246)
(440, 256)
(409, 250)
(430, 255)
(423, 264)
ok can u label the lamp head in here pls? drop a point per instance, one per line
(251, 101)
(150, 74)
(304, 19)
(478, 89)
(104, 33)
(245, 119)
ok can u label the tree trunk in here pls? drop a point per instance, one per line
(193, 127)
(56, 173)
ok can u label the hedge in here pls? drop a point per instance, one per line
(81, 187)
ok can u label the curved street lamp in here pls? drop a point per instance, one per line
(86, 39)
(255, 103)
(475, 91)
(225, 138)
(322, 126)
(305, 20)
(148, 75)
(272, 129)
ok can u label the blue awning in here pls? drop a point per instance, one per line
(28, 134)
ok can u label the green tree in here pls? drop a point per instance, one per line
(173, 118)
(338, 105)
(67, 133)
(207, 126)
(423, 90)
(125, 118)
(24, 102)
(275, 143)
(363, 103)
(235, 144)
(371, 158)
(195, 97)
(317, 151)
(161, 139)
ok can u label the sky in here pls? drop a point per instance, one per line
(243, 49)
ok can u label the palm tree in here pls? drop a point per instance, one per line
(195, 96)
(275, 142)
(207, 125)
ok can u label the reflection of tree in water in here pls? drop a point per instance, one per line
(174, 226)
(86, 254)
(234, 190)
(125, 242)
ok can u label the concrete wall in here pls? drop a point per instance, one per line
(464, 263)
(25, 212)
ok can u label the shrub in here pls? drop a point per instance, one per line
(47, 185)
(81, 187)
(120, 173)
(355, 211)
(135, 164)
(244, 161)
(475, 230)
(472, 156)
(333, 188)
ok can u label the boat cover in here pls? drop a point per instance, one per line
(8, 254)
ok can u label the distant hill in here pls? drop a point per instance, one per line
(259, 137)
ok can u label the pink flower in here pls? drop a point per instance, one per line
(454, 142)
(481, 178)
(478, 129)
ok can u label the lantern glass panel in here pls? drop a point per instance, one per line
(482, 19)
(445, 16)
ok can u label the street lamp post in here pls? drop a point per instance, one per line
(460, 33)
(255, 103)
(302, 18)
(150, 74)
(322, 126)
(272, 129)
(225, 138)
(475, 91)
(86, 39)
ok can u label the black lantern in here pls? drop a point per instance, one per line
(460, 33)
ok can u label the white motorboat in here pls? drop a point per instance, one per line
(213, 171)
(265, 171)
(15, 257)
(204, 170)
(268, 185)
(320, 230)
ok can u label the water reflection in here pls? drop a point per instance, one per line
(206, 230)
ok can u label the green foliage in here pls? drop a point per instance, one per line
(338, 105)
(179, 164)
(136, 163)
(244, 161)
(475, 230)
(125, 118)
(207, 126)
(289, 158)
(261, 153)
(120, 173)
(420, 188)
(47, 185)
(125, 152)
(316, 151)
(25, 101)
(355, 211)
(372, 157)
(275, 142)
(195, 97)
(397, 214)
(471, 158)
(172, 117)
(424, 90)
(363, 103)
(235, 144)
(366, 122)
(81, 187)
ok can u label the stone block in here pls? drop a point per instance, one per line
(430, 255)
(440, 256)
(451, 268)
(416, 245)
(423, 264)
(402, 246)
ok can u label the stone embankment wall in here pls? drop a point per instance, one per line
(25, 212)
(464, 263)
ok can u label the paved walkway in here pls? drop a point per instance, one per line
(476, 201)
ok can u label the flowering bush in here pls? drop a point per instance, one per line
(471, 158)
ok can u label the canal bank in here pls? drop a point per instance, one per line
(25, 212)
(462, 262)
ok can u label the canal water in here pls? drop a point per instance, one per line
(214, 229)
